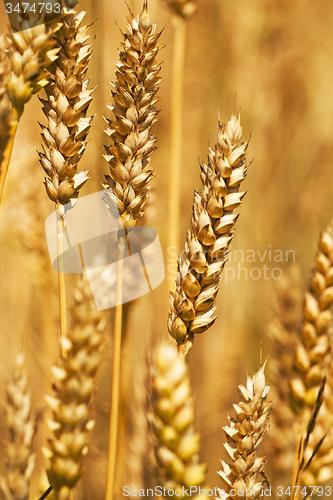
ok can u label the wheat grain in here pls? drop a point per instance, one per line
(177, 445)
(19, 455)
(134, 93)
(71, 417)
(193, 304)
(241, 475)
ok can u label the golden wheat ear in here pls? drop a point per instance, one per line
(243, 470)
(19, 456)
(193, 305)
(135, 97)
(177, 445)
(31, 50)
(65, 107)
(313, 348)
(71, 420)
(313, 362)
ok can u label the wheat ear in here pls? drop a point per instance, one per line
(31, 51)
(313, 361)
(193, 304)
(313, 349)
(242, 471)
(282, 332)
(19, 456)
(177, 445)
(134, 93)
(65, 136)
(66, 106)
(74, 382)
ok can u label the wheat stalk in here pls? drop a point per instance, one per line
(242, 471)
(19, 456)
(181, 10)
(74, 382)
(31, 51)
(177, 445)
(193, 304)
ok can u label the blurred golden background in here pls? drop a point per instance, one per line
(272, 59)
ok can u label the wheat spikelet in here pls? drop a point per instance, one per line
(177, 445)
(71, 418)
(193, 304)
(244, 435)
(68, 99)
(134, 94)
(280, 441)
(19, 455)
(183, 8)
(32, 49)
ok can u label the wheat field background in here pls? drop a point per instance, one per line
(274, 60)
